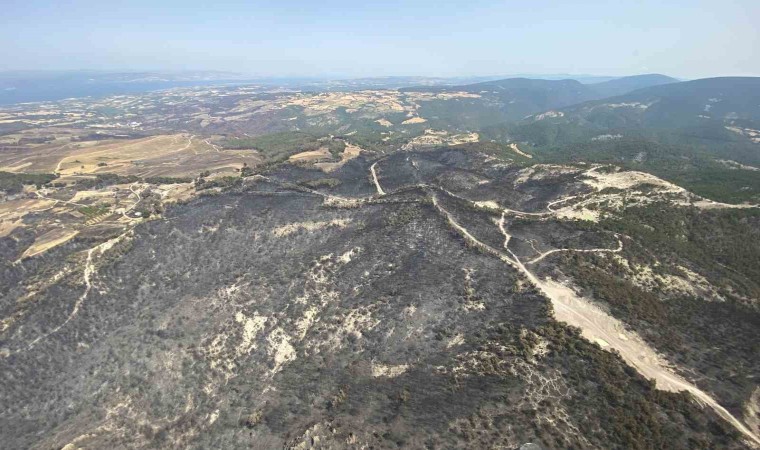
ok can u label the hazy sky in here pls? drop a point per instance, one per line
(685, 38)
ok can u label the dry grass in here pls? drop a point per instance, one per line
(349, 153)
(515, 149)
(174, 155)
(311, 156)
(413, 120)
(49, 240)
(11, 212)
(287, 230)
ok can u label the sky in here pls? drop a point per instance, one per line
(350, 38)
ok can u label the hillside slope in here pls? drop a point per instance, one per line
(409, 303)
(704, 134)
(624, 85)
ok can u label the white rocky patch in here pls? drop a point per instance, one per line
(251, 327)
(626, 180)
(280, 349)
(382, 370)
(455, 341)
(637, 105)
(549, 115)
(645, 277)
(515, 149)
(607, 137)
(752, 134)
(292, 228)
(346, 257)
(737, 165)
(488, 204)
(543, 171)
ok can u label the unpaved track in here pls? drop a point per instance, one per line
(215, 147)
(595, 324)
(380, 190)
(58, 166)
(189, 143)
(137, 202)
(40, 195)
(598, 326)
(89, 271)
(575, 250)
(569, 307)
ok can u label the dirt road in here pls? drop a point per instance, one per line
(598, 326)
(87, 277)
(380, 190)
(592, 250)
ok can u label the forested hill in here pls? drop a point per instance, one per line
(624, 85)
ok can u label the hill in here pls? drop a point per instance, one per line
(413, 302)
(513, 99)
(696, 102)
(701, 133)
(223, 268)
(624, 85)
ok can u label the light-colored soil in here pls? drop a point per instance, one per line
(119, 156)
(88, 275)
(687, 283)
(600, 327)
(287, 230)
(515, 149)
(548, 115)
(177, 155)
(310, 156)
(11, 212)
(100, 195)
(171, 193)
(737, 165)
(49, 240)
(629, 180)
(543, 255)
(709, 204)
(577, 213)
(349, 153)
(373, 169)
(544, 171)
(752, 411)
(385, 371)
(489, 204)
(414, 120)
(379, 103)
(752, 134)
(434, 137)
(626, 180)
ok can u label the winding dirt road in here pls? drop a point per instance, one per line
(139, 199)
(575, 250)
(569, 307)
(215, 147)
(598, 326)
(380, 190)
(89, 271)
